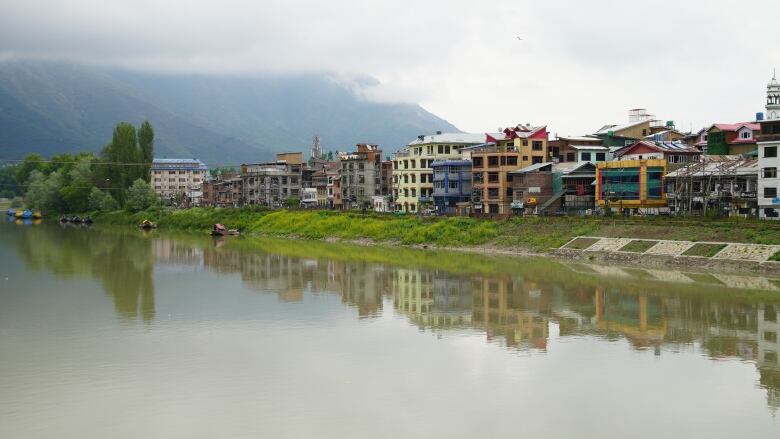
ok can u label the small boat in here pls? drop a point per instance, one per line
(75, 219)
(146, 225)
(27, 214)
(18, 214)
(233, 232)
(64, 219)
(10, 212)
(37, 214)
(88, 220)
(218, 230)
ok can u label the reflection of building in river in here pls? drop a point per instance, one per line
(432, 301)
(360, 285)
(510, 309)
(169, 252)
(768, 350)
(639, 318)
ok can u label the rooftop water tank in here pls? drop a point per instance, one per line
(759, 116)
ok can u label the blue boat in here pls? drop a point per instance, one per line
(11, 212)
(27, 214)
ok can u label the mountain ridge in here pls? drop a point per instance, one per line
(52, 107)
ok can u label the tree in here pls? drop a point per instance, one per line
(140, 196)
(146, 145)
(9, 186)
(101, 201)
(43, 192)
(31, 162)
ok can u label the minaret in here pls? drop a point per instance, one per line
(773, 99)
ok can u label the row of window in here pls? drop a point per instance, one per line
(412, 164)
(195, 172)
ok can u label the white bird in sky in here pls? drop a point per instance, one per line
(519, 38)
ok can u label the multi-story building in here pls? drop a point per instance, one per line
(718, 183)
(631, 184)
(273, 183)
(172, 177)
(566, 149)
(729, 138)
(493, 162)
(553, 187)
(412, 173)
(361, 176)
(451, 185)
(676, 154)
(332, 171)
(768, 160)
(641, 126)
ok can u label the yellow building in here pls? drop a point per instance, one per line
(631, 184)
(412, 173)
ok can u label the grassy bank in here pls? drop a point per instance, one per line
(521, 233)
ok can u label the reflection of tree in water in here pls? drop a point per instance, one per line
(121, 260)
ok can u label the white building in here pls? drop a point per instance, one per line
(178, 176)
(768, 161)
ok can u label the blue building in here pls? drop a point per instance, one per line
(451, 185)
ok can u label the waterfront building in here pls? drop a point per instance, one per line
(451, 185)
(332, 172)
(729, 138)
(271, 184)
(636, 185)
(412, 176)
(361, 176)
(722, 183)
(172, 177)
(553, 187)
(562, 148)
(492, 163)
(381, 203)
(676, 154)
(768, 161)
(641, 126)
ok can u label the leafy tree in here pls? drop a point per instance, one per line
(9, 187)
(76, 195)
(225, 170)
(146, 145)
(101, 201)
(31, 162)
(140, 196)
(43, 192)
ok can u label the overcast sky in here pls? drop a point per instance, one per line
(580, 64)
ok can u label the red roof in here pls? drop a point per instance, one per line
(736, 126)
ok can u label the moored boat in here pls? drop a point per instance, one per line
(88, 220)
(218, 230)
(233, 232)
(146, 224)
(27, 214)
(10, 212)
(37, 214)
(75, 219)
(18, 214)
(64, 219)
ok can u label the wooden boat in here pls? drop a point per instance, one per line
(75, 219)
(64, 219)
(37, 214)
(88, 220)
(18, 214)
(218, 230)
(147, 225)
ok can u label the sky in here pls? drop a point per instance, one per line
(580, 64)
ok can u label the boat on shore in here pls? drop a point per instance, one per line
(10, 212)
(27, 214)
(221, 230)
(18, 214)
(37, 214)
(147, 225)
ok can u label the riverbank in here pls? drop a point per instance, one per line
(530, 234)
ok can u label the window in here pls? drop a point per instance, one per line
(585, 156)
(525, 158)
(414, 163)
(493, 177)
(770, 336)
(536, 159)
(284, 180)
(414, 192)
(406, 192)
(644, 132)
(453, 184)
(601, 156)
(441, 149)
(414, 178)
(769, 173)
(570, 156)
(770, 192)
(361, 179)
(770, 151)
(492, 161)
(446, 149)
(511, 160)
(477, 161)
(536, 145)
(746, 134)
(493, 193)
(361, 166)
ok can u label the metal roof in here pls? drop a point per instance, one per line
(593, 147)
(449, 138)
(722, 165)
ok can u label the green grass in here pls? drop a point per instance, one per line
(775, 257)
(638, 246)
(581, 243)
(704, 250)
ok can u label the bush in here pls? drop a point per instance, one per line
(140, 196)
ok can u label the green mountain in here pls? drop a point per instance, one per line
(51, 107)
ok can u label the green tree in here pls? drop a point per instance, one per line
(43, 192)
(140, 196)
(31, 162)
(121, 157)
(101, 201)
(9, 186)
(146, 145)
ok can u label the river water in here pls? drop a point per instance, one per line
(111, 333)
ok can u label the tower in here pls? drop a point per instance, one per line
(315, 147)
(773, 99)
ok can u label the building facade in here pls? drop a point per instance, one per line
(729, 139)
(676, 154)
(768, 160)
(451, 185)
(412, 178)
(361, 176)
(636, 185)
(272, 184)
(174, 177)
